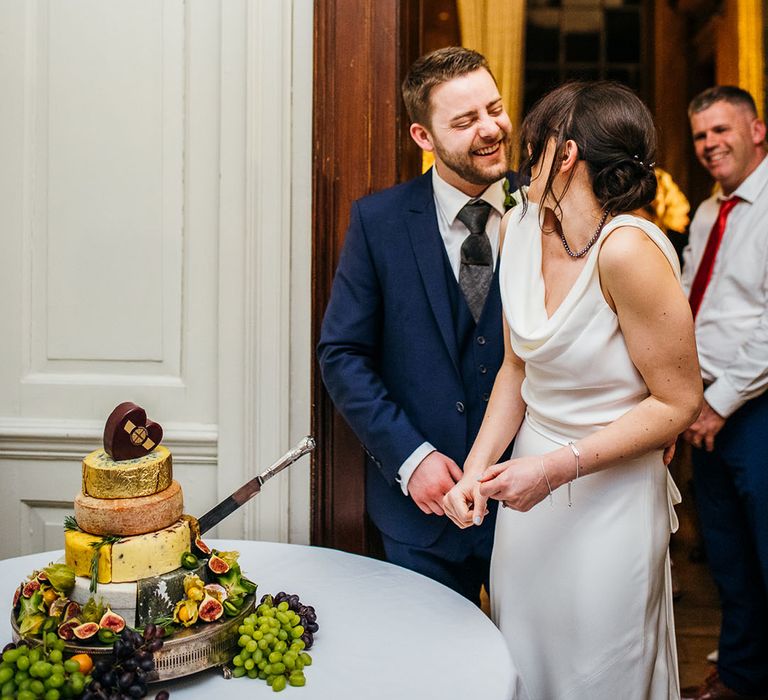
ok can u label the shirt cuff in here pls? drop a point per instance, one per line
(723, 398)
(409, 466)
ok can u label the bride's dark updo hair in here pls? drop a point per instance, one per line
(615, 135)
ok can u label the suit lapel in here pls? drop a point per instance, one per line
(421, 221)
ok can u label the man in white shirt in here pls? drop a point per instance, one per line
(726, 276)
(412, 336)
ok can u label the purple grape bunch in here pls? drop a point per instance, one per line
(125, 674)
(306, 614)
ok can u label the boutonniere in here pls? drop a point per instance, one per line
(512, 199)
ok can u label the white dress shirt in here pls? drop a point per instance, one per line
(448, 202)
(732, 322)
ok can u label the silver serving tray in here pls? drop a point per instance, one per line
(186, 652)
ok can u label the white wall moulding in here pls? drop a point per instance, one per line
(37, 439)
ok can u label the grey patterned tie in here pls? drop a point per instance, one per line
(476, 271)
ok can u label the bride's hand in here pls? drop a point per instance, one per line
(463, 503)
(518, 483)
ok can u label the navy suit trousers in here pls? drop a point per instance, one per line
(731, 487)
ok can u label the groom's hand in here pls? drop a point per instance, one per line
(431, 480)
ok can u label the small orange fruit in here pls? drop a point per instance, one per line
(85, 661)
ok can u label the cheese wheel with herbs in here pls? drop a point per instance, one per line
(130, 558)
(129, 516)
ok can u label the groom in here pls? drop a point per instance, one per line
(412, 337)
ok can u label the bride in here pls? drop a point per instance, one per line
(600, 374)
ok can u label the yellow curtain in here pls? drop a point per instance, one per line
(496, 28)
(750, 33)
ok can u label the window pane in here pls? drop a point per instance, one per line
(537, 83)
(622, 40)
(627, 76)
(542, 40)
(583, 74)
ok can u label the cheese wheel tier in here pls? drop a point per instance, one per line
(130, 559)
(129, 516)
(130, 478)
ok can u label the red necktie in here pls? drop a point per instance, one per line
(704, 273)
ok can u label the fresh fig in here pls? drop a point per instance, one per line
(42, 577)
(17, 595)
(218, 565)
(73, 610)
(112, 621)
(66, 630)
(86, 630)
(106, 636)
(210, 609)
(216, 591)
(189, 561)
(59, 607)
(30, 587)
(202, 547)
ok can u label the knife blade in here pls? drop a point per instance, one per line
(248, 490)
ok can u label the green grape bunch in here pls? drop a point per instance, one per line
(40, 672)
(273, 642)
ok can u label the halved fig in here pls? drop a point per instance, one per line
(210, 609)
(112, 621)
(17, 595)
(202, 547)
(216, 591)
(73, 610)
(218, 565)
(42, 577)
(30, 587)
(59, 607)
(86, 630)
(66, 630)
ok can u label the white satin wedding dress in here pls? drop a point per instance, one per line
(582, 594)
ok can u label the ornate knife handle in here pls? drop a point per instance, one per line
(304, 446)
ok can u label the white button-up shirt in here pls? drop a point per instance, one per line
(448, 203)
(732, 322)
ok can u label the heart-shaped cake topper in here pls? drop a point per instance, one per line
(128, 434)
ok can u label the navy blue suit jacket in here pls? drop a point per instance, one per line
(388, 350)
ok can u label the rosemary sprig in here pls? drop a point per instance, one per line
(96, 546)
(70, 524)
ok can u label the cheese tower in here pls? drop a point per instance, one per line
(129, 517)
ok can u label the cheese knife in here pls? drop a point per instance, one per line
(248, 490)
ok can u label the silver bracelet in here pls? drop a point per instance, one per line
(546, 478)
(576, 454)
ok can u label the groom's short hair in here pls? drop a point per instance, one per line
(722, 93)
(432, 70)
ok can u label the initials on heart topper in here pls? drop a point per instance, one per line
(128, 434)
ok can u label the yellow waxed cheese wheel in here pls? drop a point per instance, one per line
(131, 558)
(103, 477)
(78, 554)
(129, 516)
(153, 554)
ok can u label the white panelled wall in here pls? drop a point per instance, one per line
(155, 185)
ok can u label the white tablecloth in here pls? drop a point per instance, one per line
(385, 632)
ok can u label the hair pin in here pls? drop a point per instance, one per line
(649, 166)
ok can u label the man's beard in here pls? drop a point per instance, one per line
(462, 164)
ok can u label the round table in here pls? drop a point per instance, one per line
(385, 632)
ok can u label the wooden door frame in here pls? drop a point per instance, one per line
(362, 49)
